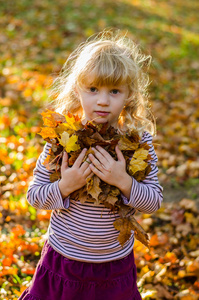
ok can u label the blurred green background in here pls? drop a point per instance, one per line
(35, 39)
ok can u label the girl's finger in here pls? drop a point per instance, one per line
(64, 164)
(100, 157)
(80, 158)
(96, 171)
(85, 164)
(119, 153)
(98, 164)
(103, 152)
(88, 173)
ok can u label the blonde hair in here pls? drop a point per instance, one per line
(110, 60)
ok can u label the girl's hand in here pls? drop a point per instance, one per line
(111, 171)
(73, 178)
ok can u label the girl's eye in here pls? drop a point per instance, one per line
(93, 89)
(115, 91)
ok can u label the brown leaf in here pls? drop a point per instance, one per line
(125, 226)
(93, 187)
(125, 144)
(111, 199)
(55, 176)
(139, 232)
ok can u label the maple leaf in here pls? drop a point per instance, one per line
(74, 122)
(47, 132)
(69, 142)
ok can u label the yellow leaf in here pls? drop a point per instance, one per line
(69, 143)
(141, 154)
(47, 132)
(137, 162)
(74, 122)
(137, 165)
(61, 128)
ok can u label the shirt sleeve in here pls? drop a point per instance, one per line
(146, 196)
(42, 193)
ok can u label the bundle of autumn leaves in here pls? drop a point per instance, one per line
(67, 133)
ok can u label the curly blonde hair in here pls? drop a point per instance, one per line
(110, 59)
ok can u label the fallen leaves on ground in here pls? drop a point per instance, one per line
(34, 45)
(168, 269)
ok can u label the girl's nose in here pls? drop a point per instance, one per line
(103, 99)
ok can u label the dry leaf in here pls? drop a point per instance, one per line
(125, 226)
(93, 187)
(125, 144)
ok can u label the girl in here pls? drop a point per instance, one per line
(82, 259)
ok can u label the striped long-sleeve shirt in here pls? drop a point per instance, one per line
(85, 231)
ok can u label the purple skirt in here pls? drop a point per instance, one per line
(59, 278)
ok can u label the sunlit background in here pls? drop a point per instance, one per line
(35, 39)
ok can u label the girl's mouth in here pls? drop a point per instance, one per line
(102, 113)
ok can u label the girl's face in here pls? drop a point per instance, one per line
(103, 104)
